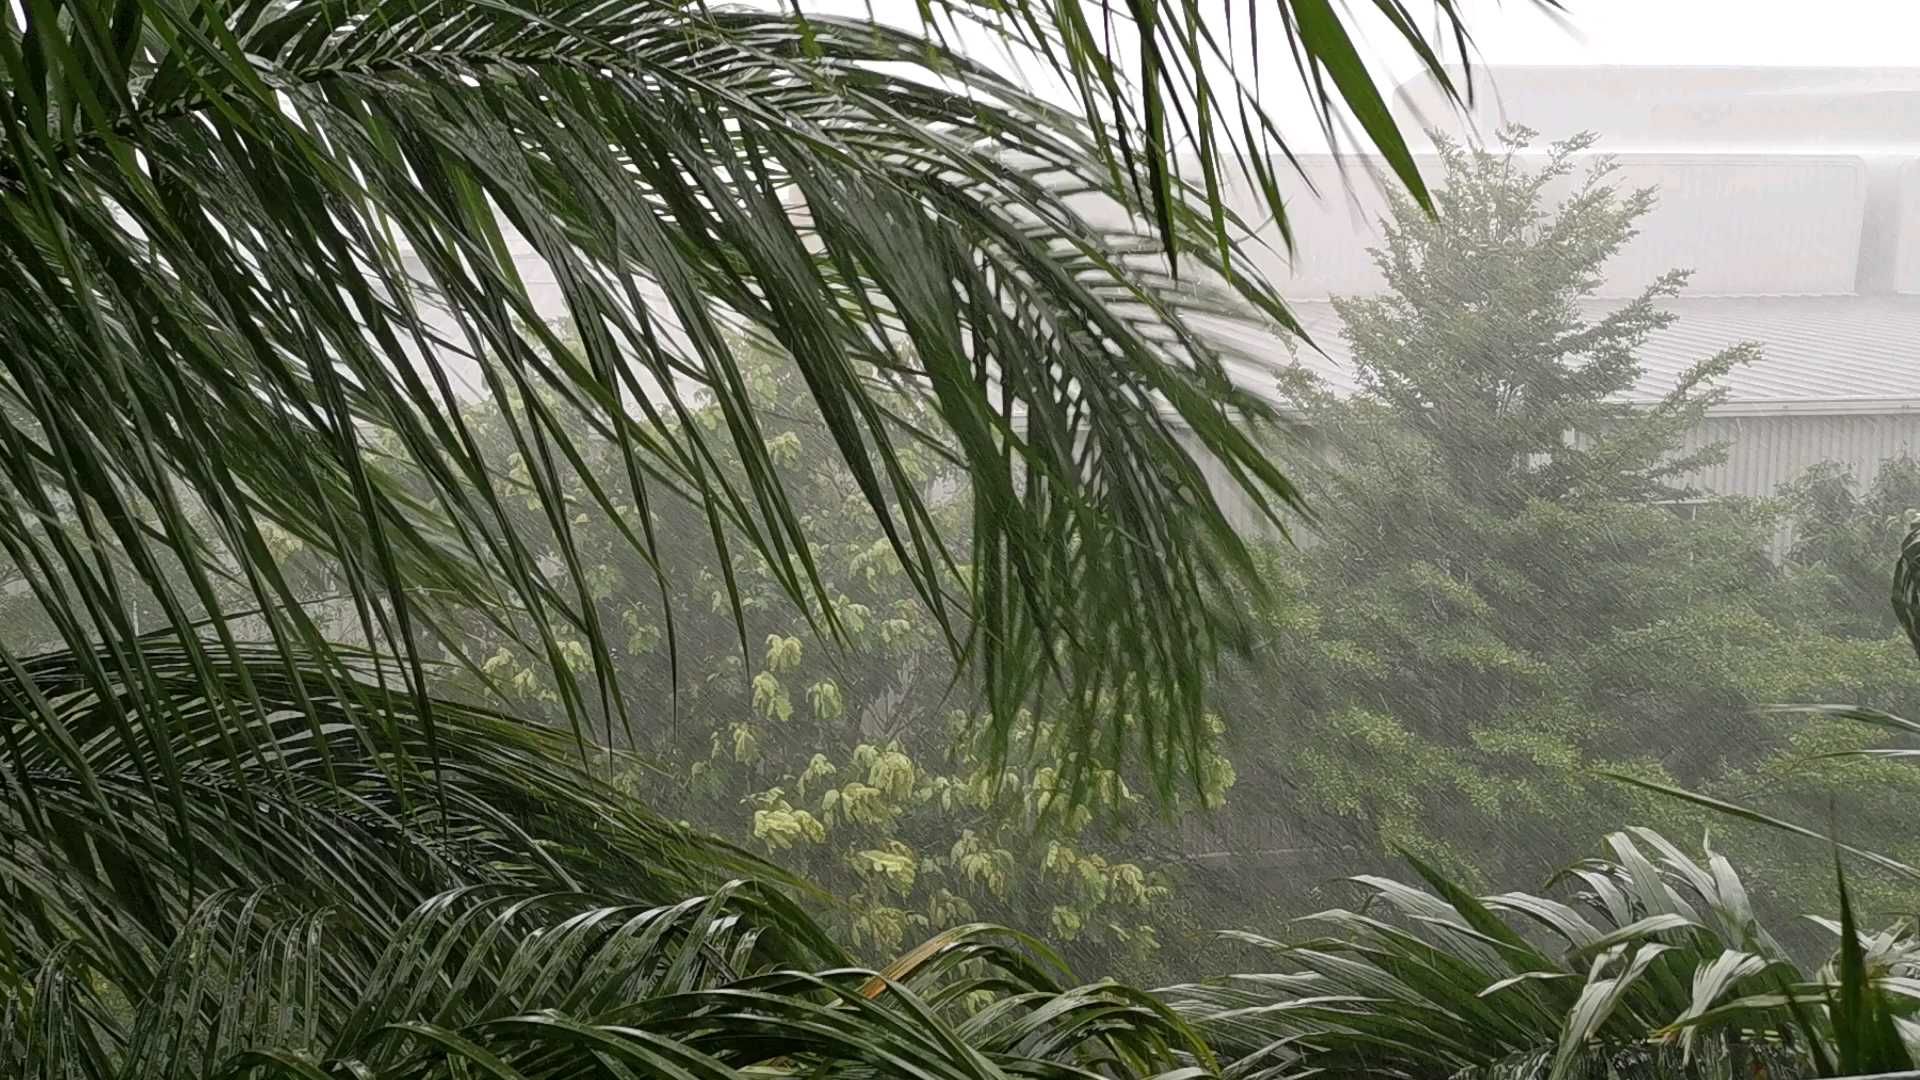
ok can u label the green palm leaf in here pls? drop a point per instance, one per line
(354, 908)
(1614, 981)
(255, 248)
(308, 809)
(515, 983)
(259, 259)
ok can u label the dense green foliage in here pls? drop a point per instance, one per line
(1654, 964)
(353, 711)
(860, 761)
(259, 266)
(480, 903)
(1431, 588)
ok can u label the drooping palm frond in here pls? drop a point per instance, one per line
(297, 802)
(506, 982)
(1658, 967)
(357, 907)
(251, 250)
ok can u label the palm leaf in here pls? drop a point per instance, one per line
(1906, 585)
(1865, 1038)
(256, 249)
(309, 809)
(262, 259)
(511, 915)
(1449, 987)
(518, 983)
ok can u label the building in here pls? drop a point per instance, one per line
(1792, 194)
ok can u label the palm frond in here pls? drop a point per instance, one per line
(1656, 967)
(519, 983)
(296, 802)
(348, 907)
(254, 250)
(250, 242)
(1906, 585)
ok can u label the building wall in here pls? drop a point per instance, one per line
(1764, 452)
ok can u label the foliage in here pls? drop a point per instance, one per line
(252, 248)
(1657, 967)
(253, 252)
(1660, 967)
(1500, 599)
(346, 912)
(1842, 530)
(863, 763)
(1870, 1028)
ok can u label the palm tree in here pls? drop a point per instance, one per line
(251, 248)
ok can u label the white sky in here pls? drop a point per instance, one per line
(1827, 33)
(1841, 33)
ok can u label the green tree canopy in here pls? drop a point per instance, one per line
(863, 763)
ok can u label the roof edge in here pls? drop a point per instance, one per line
(1814, 407)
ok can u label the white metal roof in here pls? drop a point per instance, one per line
(1743, 223)
(1821, 355)
(1696, 108)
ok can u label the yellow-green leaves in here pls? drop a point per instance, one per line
(770, 697)
(824, 696)
(861, 804)
(817, 769)
(895, 865)
(783, 653)
(890, 771)
(1065, 922)
(783, 826)
(880, 927)
(784, 449)
(643, 636)
(982, 863)
(745, 743)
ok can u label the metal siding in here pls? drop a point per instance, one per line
(1702, 219)
(1690, 107)
(1817, 353)
(1764, 452)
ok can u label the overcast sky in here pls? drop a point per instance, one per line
(1850, 33)
(1844, 33)
(1865, 33)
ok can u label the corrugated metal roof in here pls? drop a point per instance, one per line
(1819, 354)
(1705, 217)
(1682, 107)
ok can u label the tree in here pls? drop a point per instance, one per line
(1657, 964)
(863, 763)
(1843, 531)
(250, 249)
(1501, 603)
(684, 176)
